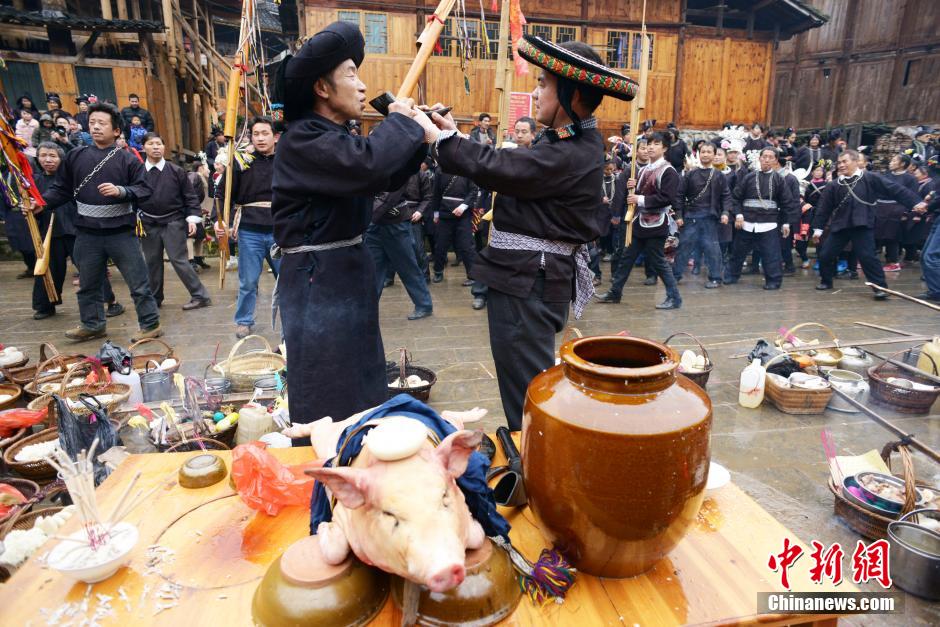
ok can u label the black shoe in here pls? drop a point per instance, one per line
(696, 270)
(928, 296)
(608, 297)
(115, 309)
(479, 303)
(771, 286)
(42, 315)
(824, 286)
(712, 285)
(669, 303)
(389, 282)
(197, 303)
(201, 262)
(25, 274)
(789, 270)
(417, 314)
(649, 281)
(438, 277)
(467, 282)
(729, 281)
(880, 295)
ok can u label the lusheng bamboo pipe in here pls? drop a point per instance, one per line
(42, 263)
(231, 120)
(639, 104)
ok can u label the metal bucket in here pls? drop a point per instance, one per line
(856, 360)
(915, 556)
(156, 386)
(849, 382)
(218, 385)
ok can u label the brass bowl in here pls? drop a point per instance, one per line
(488, 594)
(300, 588)
(201, 471)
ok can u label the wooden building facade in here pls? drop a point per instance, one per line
(707, 66)
(875, 61)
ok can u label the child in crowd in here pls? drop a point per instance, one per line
(26, 127)
(137, 132)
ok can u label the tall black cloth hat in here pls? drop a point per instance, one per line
(327, 49)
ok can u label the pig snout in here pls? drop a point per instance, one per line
(446, 578)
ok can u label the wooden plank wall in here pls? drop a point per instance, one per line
(852, 70)
(713, 69)
(60, 78)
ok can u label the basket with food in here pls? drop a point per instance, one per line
(405, 377)
(695, 366)
(830, 357)
(244, 369)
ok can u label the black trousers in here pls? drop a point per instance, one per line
(59, 253)
(458, 232)
(654, 250)
(522, 338)
(863, 247)
(767, 244)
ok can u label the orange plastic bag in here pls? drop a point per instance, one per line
(267, 485)
(12, 420)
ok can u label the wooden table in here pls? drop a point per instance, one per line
(223, 548)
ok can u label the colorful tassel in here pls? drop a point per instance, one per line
(552, 576)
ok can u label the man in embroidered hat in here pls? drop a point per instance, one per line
(547, 202)
(325, 180)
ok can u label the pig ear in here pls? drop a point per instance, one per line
(350, 486)
(454, 451)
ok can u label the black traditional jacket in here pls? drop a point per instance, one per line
(551, 191)
(853, 202)
(697, 201)
(325, 179)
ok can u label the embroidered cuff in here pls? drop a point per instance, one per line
(443, 136)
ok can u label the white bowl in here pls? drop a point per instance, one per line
(64, 556)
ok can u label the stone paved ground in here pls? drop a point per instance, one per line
(776, 458)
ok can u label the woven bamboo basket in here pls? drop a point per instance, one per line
(243, 370)
(141, 359)
(865, 522)
(119, 392)
(699, 378)
(26, 521)
(19, 435)
(22, 375)
(14, 391)
(900, 399)
(402, 370)
(29, 489)
(826, 357)
(799, 401)
(39, 471)
(33, 388)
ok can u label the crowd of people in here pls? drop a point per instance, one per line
(738, 200)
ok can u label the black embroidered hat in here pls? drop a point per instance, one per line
(566, 64)
(327, 49)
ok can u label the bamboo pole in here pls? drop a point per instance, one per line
(426, 42)
(503, 72)
(639, 104)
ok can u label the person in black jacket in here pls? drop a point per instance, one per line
(134, 109)
(390, 240)
(106, 183)
(786, 244)
(655, 192)
(703, 202)
(253, 222)
(764, 207)
(451, 207)
(169, 216)
(848, 206)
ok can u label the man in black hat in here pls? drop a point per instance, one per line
(546, 211)
(325, 180)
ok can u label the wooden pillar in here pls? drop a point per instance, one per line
(170, 30)
(504, 71)
(122, 9)
(680, 62)
(193, 141)
(106, 10)
(725, 75)
(135, 9)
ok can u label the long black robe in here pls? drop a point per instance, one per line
(324, 183)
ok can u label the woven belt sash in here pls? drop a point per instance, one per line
(104, 211)
(584, 279)
(760, 204)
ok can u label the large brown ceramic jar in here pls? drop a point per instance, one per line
(615, 452)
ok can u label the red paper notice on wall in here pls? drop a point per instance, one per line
(520, 106)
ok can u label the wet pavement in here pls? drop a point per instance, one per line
(776, 458)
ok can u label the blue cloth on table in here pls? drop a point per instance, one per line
(472, 483)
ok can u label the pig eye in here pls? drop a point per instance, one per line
(391, 515)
